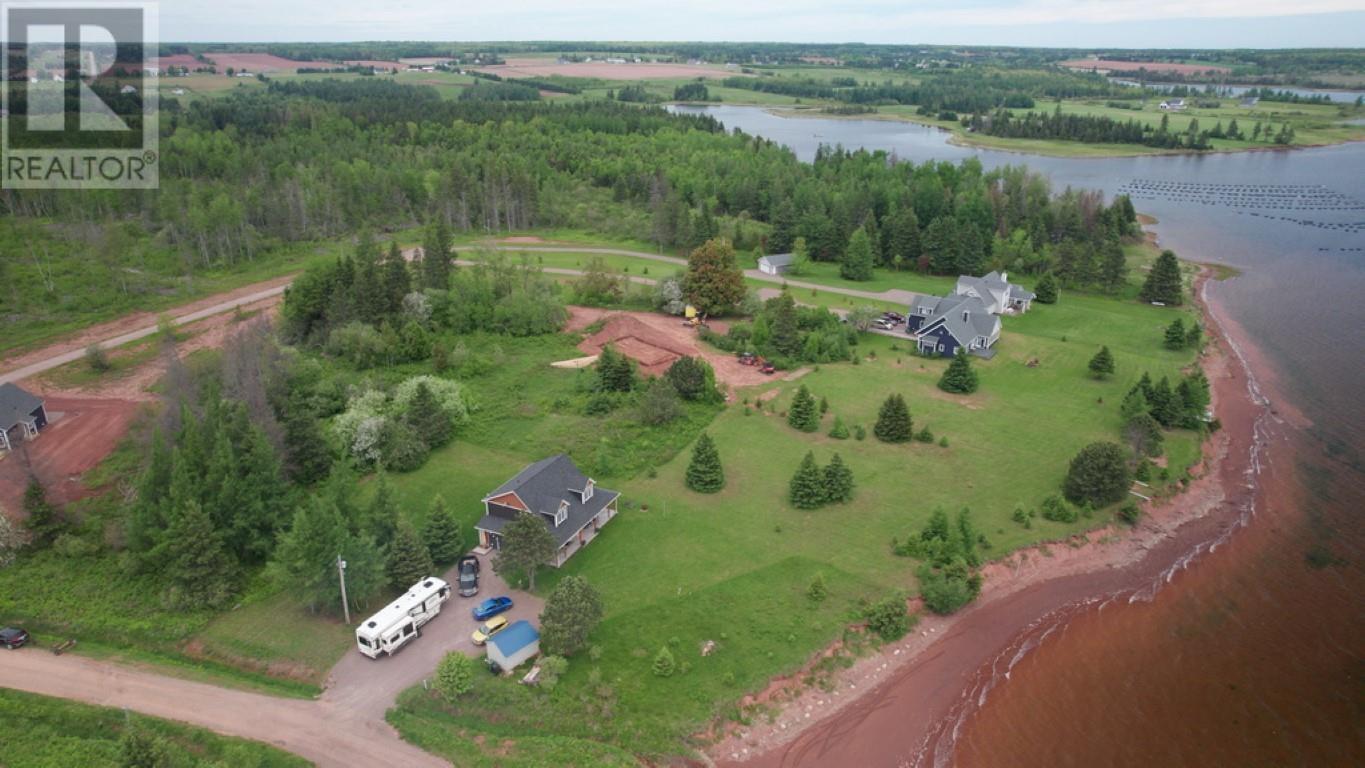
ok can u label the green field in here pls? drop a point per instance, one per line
(41, 732)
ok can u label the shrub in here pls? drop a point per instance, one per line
(96, 358)
(817, 591)
(694, 379)
(1130, 512)
(859, 433)
(551, 669)
(924, 436)
(1098, 474)
(838, 431)
(663, 665)
(1057, 510)
(454, 676)
(888, 618)
(945, 590)
(659, 404)
(600, 404)
(943, 442)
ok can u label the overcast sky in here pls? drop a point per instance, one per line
(1067, 23)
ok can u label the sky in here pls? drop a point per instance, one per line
(1053, 23)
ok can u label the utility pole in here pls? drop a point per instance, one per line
(341, 574)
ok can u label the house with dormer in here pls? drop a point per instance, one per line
(570, 504)
(996, 292)
(942, 325)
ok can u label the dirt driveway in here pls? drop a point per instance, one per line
(81, 432)
(368, 687)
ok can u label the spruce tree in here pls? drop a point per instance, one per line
(42, 519)
(381, 518)
(200, 570)
(397, 281)
(572, 611)
(615, 371)
(1165, 404)
(1163, 282)
(1144, 386)
(893, 421)
(1195, 336)
(786, 336)
(858, 257)
(409, 561)
(428, 419)
(807, 488)
(704, 472)
(959, 378)
(1134, 403)
(803, 415)
(1175, 334)
(838, 481)
(839, 431)
(664, 665)
(436, 256)
(1046, 290)
(308, 456)
(443, 535)
(1102, 364)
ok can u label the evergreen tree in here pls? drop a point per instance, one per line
(436, 255)
(1163, 282)
(381, 519)
(807, 488)
(442, 533)
(198, 567)
(693, 379)
(397, 283)
(802, 415)
(526, 546)
(786, 337)
(615, 371)
(838, 481)
(1102, 364)
(704, 472)
(1099, 474)
(839, 431)
(42, 519)
(959, 378)
(1133, 404)
(783, 233)
(1144, 386)
(571, 613)
(1194, 393)
(1046, 290)
(893, 421)
(428, 419)
(858, 258)
(1175, 335)
(1113, 274)
(941, 243)
(664, 665)
(409, 561)
(1195, 336)
(902, 240)
(817, 591)
(714, 283)
(1165, 404)
(308, 455)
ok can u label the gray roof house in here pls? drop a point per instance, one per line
(776, 264)
(22, 415)
(943, 325)
(567, 501)
(996, 292)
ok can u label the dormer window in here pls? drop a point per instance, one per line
(562, 513)
(587, 491)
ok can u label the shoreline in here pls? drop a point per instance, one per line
(906, 704)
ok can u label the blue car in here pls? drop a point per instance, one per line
(492, 607)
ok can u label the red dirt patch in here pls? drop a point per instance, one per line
(178, 60)
(522, 239)
(263, 62)
(602, 70)
(78, 439)
(1150, 66)
(655, 341)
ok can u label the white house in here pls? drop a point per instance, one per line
(1172, 105)
(776, 264)
(996, 292)
(127, 89)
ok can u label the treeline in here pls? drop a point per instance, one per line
(1093, 129)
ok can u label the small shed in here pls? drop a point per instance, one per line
(776, 264)
(513, 646)
(22, 415)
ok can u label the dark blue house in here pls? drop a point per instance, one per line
(943, 325)
(22, 415)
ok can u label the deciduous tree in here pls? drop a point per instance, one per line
(714, 282)
(1099, 474)
(526, 546)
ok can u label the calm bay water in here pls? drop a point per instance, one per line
(1256, 654)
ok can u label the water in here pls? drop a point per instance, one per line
(1254, 654)
(1337, 96)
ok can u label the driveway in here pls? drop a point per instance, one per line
(367, 687)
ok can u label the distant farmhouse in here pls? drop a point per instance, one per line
(567, 501)
(22, 416)
(967, 319)
(1172, 105)
(776, 264)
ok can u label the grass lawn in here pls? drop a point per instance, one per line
(275, 635)
(39, 732)
(677, 568)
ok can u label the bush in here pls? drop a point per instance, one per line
(943, 442)
(888, 618)
(817, 591)
(664, 666)
(1130, 513)
(945, 590)
(96, 358)
(401, 448)
(1057, 510)
(600, 404)
(551, 669)
(859, 433)
(454, 676)
(659, 404)
(924, 436)
(838, 431)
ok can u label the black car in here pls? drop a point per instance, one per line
(469, 576)
(13, 637)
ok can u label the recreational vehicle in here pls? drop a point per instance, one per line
(399, 621)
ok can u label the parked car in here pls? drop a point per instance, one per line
(492, 607)
(488, 629)
(14, 637)
(469, 576)
(768, 368)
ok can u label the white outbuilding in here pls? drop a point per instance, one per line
(513, 646)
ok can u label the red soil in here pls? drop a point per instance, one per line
(1150, 66)
(263, 62)
(600, 69)
(655, 341)
(178, 60)
(83, 431)
(900, 707)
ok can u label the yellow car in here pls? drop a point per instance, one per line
(489, 628)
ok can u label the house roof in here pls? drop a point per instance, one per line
(778, 259)
(541, 486)
(16, 405)
(948, 315)
(516, 637)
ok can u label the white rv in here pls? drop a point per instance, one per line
(398, 622)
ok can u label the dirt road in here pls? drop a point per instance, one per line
(344, 727)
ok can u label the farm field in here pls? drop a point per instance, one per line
(38, 732)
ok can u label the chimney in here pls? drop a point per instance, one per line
(965, 313)
(1004, 276)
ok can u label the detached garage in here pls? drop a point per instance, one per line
(21, 416)
(514, 646)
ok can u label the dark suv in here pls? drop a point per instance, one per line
(469, 576)
(13, 637)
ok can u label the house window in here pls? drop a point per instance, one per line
(587, 490)
(562, 513)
